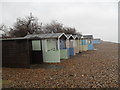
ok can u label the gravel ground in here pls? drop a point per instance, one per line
(91, 69)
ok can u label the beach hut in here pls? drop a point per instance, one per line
(62, 45)
(80, 44)
(51, 53)
(96, 41)
(21, 52)
(89, 39)
(70, 45)
(84, 44)
(76, 43)
(53, 46)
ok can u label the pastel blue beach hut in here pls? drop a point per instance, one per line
(89, 39)
(70, 44)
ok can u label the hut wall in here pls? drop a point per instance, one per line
(87, 41)
(62, 44)
(90, 44)
(50, 52)
(16, 53)
(84, 47)
(52, 57)
(75, 46)
(68, 46)
(80, 46)
(67, 43)
(84, 42)
(68, 52)
(78, 49)
(51, 44)
(90, 47)
(64, 54)
(72, 47)
(71, 43)
(71, 52)
(63, 49)
(96, 41)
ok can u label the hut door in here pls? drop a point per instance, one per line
(62, 44)
(37, 56)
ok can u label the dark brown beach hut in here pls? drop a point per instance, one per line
(19, 52)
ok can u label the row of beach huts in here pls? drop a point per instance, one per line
(44, 48)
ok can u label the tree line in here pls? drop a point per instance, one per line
(30, 25)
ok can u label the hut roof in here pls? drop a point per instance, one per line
(17, 38)
(79, 35)
(69, 36)
(75, 36)
(46, 36)
(88, 36)
(97, 39)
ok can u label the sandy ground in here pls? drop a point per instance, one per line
(91, 69)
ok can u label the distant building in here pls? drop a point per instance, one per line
(96, 41)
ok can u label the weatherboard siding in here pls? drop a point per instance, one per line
(96, 41)
(50, 54)
(90, 47)
(78, 46)
(84, 47)
(51, 44)
(81, 48)
(64, 54)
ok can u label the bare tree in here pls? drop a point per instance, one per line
(3, 28)
(69, 30)
(24, 26)
(57, 27)
(30, 25)
(53, 27)
(4, 31)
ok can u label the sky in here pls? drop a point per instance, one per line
(96, 17)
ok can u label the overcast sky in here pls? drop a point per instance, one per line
(97, 18)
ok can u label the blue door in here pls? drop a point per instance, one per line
(90, 47)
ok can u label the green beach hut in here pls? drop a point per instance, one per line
(51, 46)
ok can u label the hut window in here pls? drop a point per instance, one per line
(36, 45)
